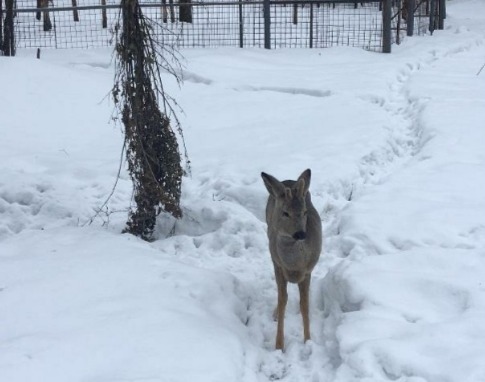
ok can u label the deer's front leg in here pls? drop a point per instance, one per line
(281, 307)
(304, 288)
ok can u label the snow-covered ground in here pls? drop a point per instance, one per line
(396, 147)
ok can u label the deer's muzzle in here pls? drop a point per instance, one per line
(300, 235)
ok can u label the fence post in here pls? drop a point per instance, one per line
(311, 25)
(442, 14)
(1, 25)
(410, 7)
(104, 16)
(267, 24)
(386, 26)
(432, 16)
(241, 25)
(8, 45)
(75, 13)
(38, 15)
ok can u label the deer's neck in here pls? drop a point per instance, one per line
(292, 253)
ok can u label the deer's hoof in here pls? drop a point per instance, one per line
(280, 345)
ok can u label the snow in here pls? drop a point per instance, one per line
(395, 143)
(109, 309)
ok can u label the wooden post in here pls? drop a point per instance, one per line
(432, 16)
(442, 14)
(410, 6)
(311, 25)
(104, 16)
(75, 13)
(8, 45)
(241, 24)
(1, 25)
(400, 16)
(267, 24)
(386, 26)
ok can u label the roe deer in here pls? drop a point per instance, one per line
(295, 243)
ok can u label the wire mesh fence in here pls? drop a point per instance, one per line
(417, 17)
(241, 23)
(322, 25)
(430, 15)
(62, 31)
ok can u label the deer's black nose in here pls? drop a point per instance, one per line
(300, 235)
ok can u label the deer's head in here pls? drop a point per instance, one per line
(289, 214)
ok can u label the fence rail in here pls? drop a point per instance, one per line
(369, 24)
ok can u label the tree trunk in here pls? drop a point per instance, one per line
(171, 9)
(45, 15)
(185, 13)
(152, 150)
(38, 15)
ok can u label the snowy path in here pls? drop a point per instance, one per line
(395, 143)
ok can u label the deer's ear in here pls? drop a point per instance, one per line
(273, 185)
(303, 182)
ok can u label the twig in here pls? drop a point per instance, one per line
(483, 66)
(105, 203)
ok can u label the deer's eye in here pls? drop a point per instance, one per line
(286, 214)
